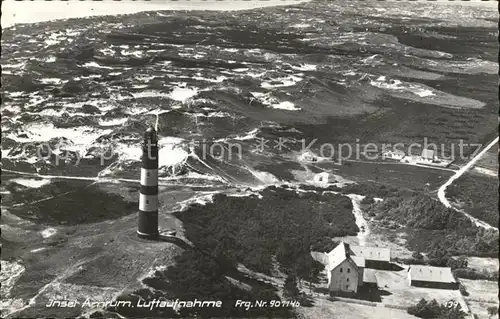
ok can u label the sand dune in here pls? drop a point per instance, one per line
(14, 12)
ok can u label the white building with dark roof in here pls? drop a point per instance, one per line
(428, 155)
(431, 277)
(344, 271)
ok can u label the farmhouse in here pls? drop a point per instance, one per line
(344, 270)
(375, 257)
(431, 277)
(347, 267)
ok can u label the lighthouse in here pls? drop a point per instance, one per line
(148, 199)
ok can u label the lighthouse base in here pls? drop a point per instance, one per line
(148, 236)
(148, 225)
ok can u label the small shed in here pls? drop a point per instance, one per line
(324, 178)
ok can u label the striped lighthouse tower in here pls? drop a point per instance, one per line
(148, 198)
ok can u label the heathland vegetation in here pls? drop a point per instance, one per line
(275, 232)
(283, 227)
(478, 195)
(51, 203)
(434, 229)
(372, 189)
(198, 276)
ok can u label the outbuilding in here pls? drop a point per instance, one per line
(375, 257)
(324, 178)
(431, 277)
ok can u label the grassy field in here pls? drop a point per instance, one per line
(92, 254)
(489, 160)
(54, 203)
(394, 175)
(482, 294)
(490, 264)
(84, 261)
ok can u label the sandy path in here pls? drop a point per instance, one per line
(460, 172)
(360, 220)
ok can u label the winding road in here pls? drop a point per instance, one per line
(460, 172)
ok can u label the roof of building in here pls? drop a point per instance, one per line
(320, 257)
(341, 253)
(432, 274)
(369, 276)
(427, 153)
(337, 255)
(372, 253)
(358, 260)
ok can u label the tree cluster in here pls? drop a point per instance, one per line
(469, 273)
(433, 310)
(492, 311)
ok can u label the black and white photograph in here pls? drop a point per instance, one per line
(308, 159)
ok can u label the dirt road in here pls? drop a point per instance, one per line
(460, 172)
